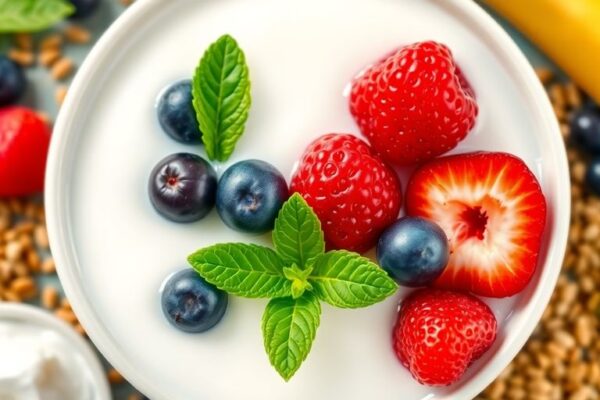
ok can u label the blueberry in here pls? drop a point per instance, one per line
(190, 303)
(249, 196)
(414, 251)
(592, 176)
(585, 128)
(176, 113)
(12, 81)
(84, 8)
(182, 187)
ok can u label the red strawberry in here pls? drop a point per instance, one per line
(493, 211)
(415, 104)
(439, 333)
(354, 193)
(24, 141)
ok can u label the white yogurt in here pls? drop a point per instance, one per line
(301, 53)
(38, 363)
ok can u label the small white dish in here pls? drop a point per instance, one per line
(113, 251)
(33, 317)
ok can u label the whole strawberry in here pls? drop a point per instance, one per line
(24, 141)
(439, 333)
(414, 105)
(354, 193)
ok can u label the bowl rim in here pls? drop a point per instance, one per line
(30, 314)
(62, 242)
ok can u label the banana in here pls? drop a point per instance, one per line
(568, 31)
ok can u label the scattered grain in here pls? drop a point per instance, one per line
(48, 266)
(578, 172)
(516, 393)
(33, 261)
(584, 331)
(24, 227)
(6, 271)
(66, 315)
(49, 56)
(573, 95)
(559, 112)
(594, 373)
(22, 57)
(79, 329)
(591, 233)
(564, 339)
(114, 377)
(24, 41)
(65, 304)
(5, 222)
(544, 74)
(11, 296)
(540, 387)
(77, 34)
(60, 94)
(568, 294)
(14, 250)
(587, 284)
(52, 41)
(25, 287)
(44, 117)
(593, 302)
(565, 131)
(40, 237)
(15, 205)
(62, 68)
(49, 297)
(556, 92)
(496, 390)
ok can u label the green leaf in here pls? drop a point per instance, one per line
(289, 327)
(348, 280)
(299, 278)
(221, 97)
(245, 270)
(297, 235)
(32, 15)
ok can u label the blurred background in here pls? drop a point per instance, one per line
(561, 38)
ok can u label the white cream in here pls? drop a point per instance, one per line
(37, 363)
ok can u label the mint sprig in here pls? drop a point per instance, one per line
(32, 15)
(221, 97)
(296, 275)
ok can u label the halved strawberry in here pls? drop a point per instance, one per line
(493, 211)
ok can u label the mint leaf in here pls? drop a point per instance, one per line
(297, 235)
(245, 270)
(348, 280)
(289, 327)
(299, 280)
(32, 15)
(221, 97)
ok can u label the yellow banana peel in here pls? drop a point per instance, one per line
(568, 31)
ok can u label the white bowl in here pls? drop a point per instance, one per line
(113, 251)
(33, 316)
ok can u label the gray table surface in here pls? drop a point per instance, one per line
(40, 93)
